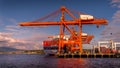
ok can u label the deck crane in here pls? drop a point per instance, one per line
(75, 41)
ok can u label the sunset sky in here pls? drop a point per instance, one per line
(12, 12)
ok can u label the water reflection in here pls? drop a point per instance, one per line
(41, 61)
(71, 63)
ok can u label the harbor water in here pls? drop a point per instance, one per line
(42, 61)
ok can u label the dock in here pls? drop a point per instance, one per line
(99, 55)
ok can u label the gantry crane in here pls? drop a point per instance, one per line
(75, 41)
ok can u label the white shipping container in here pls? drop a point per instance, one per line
(86, 17)
(84, 34)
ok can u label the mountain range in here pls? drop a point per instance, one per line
(8, 49)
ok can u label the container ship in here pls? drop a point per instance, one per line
(51, 46)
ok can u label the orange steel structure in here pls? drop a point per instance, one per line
(85, 40)
(75, 41)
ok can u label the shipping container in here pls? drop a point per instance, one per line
(86, 17)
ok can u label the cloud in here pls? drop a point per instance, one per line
(12, 20)
(7, 40)
(112, 31)
(116, 18)
(12, 27)
(115, 3)
(4, 19)
(19, 37)
(1, 21)
(23, 37)
(6, 37)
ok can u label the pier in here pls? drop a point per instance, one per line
(88, 55)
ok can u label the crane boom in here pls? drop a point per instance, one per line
(83, 22)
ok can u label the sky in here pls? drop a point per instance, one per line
(12, 12)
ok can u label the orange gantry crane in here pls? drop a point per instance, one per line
(75, 41)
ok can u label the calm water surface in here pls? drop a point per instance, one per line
(41, 61)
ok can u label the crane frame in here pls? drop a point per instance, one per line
(75, 42)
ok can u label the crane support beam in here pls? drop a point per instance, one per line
(83, 22)
(63, 8)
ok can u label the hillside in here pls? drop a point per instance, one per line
(8, 49)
